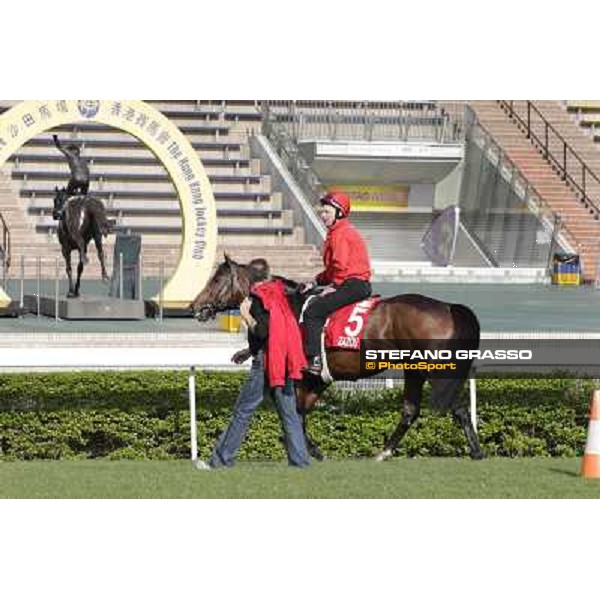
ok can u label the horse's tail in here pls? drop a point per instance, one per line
(99, 213)
(106, 225)
(445, 392)
(466, 327)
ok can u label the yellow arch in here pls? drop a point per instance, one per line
(199, 237)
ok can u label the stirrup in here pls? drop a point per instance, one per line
(314, 366)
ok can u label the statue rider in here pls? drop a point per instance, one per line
(80, 173)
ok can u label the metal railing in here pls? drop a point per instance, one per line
(557, 151)
(510, 194)
(43, 279)
(423, 120)
(285, 145)
(5, 249)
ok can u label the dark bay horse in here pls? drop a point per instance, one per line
(406, 322)
(80, 218)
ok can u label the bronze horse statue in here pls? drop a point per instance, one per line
(80, 218)
(406, 322)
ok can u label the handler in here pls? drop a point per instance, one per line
(276, 349)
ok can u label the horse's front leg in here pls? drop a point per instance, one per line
(311, 445)
(69, 270)
(305, 400)
(79, 272)
(82, 248)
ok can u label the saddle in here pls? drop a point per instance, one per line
(344, 328)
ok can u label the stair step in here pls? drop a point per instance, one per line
(544, 177)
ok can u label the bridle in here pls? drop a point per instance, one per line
(210, 309)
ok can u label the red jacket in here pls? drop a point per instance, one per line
(284, 355)
(345, 255)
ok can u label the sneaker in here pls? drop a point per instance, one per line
(202, 465)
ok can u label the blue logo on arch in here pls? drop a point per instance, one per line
(88, 108)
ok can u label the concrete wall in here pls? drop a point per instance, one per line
(421, 195)
(447, 191)
(292, 196)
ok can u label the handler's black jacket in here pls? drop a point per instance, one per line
(258, 337)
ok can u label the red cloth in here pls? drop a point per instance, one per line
(345, 255)
(284, 355)
(346, 326)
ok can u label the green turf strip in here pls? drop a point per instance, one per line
(398, 478)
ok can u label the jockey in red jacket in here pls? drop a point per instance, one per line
(347, 273)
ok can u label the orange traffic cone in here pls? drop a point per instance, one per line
(591, 457)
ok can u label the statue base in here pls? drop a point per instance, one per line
(92, 308)
(12, 310)
(169, 312)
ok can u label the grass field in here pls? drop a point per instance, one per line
(398, 478)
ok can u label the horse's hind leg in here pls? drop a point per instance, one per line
(463, 417)
(306, 398)
(411, 409)
(100, 250)
(444, 397)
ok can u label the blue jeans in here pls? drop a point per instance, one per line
(250, 398)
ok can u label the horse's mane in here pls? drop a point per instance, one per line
(253, 276)
(232, 282)
(290, 287)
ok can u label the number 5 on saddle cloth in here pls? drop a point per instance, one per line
(344, 329)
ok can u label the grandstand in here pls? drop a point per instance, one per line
(403, 162)
(138, 193)
(587, 113)
(522, 173)
(414, 121)
(558, 160)
(397, 160)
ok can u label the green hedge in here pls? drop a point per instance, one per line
(144, 415)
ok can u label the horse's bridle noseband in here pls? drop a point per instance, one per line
(214, 308)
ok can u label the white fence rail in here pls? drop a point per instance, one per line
(123, 358)
(191, 358)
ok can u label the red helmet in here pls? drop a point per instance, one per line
(337, 200)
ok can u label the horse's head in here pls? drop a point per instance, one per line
(227, 288)
(60, 197)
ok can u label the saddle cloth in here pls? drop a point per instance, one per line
(344, 329)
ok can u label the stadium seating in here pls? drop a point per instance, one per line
(578, 217)
(587, 113)
(355, 120)
(583, 116)
(138, 193)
